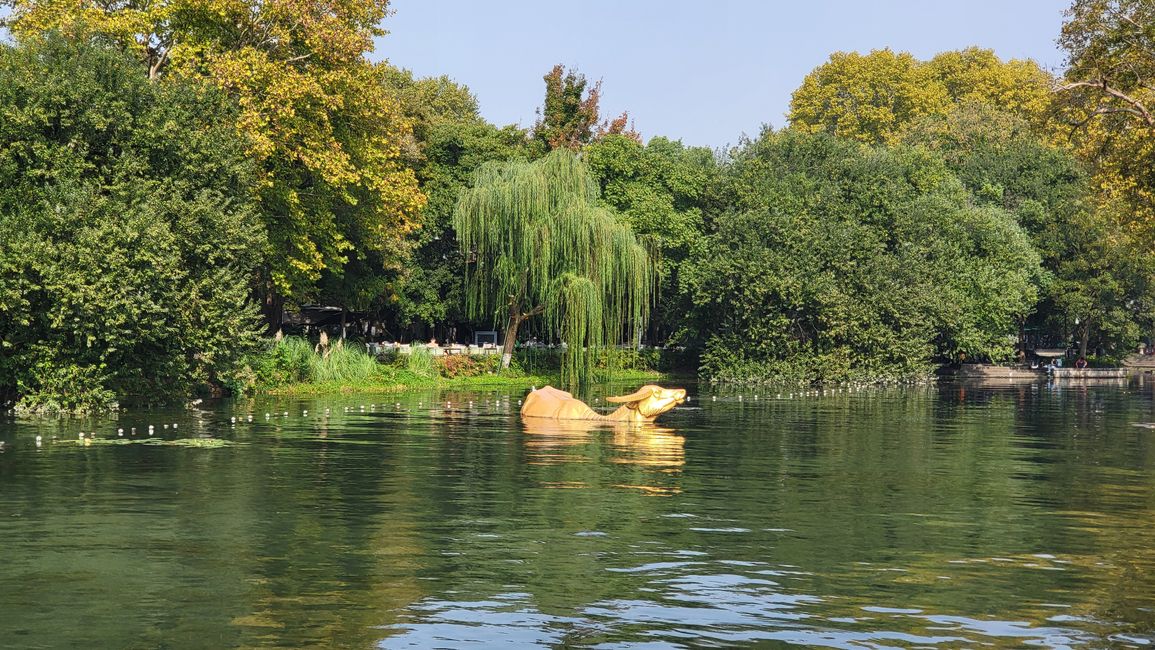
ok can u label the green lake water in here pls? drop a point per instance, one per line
(941, 516)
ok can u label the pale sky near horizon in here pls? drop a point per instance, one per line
(701, 72)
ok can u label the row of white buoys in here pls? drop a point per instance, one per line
(119, 433)
(818, 392)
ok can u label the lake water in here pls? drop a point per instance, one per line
(944, 516)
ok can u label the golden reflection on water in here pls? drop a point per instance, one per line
(655, 448)
(650, 446)
(658, 450)
(556, 442)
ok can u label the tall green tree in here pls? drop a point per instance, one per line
(1005, 162)
(538, 243)
(450, 141)
(1108, 100)
(665, 191)
(838, 261)
(569, 117)
(317, 120)
(128, 231)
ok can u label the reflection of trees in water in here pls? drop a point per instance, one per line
(936, 498)
(286, 539)
(909, 484)
(332, 545)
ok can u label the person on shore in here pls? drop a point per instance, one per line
(1080, 363)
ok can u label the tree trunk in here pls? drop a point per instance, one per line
(273, 306)
(511, 326)
(1084, 338)
(343, 322)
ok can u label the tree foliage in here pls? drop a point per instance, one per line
(316, 117)
(866, 97)
(871, 97)
(839, 261)
(664, 191)
(570, 113)
(127, 230)
(1108, 98)
(450, 141)
(977, 76)
(538, 243)
(1004, 162)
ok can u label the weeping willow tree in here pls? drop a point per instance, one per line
(537, 243)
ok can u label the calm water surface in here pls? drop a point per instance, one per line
(949, 516)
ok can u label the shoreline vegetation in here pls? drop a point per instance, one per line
(294, 366)
(171, 188)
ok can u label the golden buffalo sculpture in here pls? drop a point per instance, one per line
(639, 407)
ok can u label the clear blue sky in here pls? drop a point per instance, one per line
(703, 72)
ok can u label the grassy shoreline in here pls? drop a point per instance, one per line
(295, 366)
(400, 383)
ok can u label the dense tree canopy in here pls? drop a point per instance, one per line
(871, 97)
(315, 114)
(663, 190)
(1108, 101)
(866, 97)
(976, 76)
(1003, 161)
(450, 141)
(838, 262)
(912, 211)
(127, 231)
